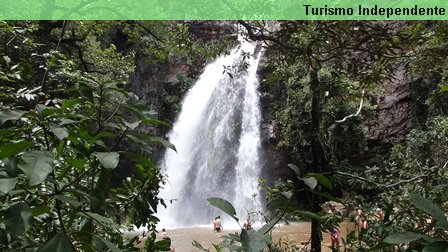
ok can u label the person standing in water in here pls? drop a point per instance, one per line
(164, 234)
(217, 227)
(335, 233)
(247, 224)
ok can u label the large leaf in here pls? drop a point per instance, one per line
(10, 167)
(18, 219)
(288, 194)
(132, 125)
(430, 208)
(324, 181)
(254, 241)
(381, 246)
(224, 205)
(48, 111)
(59, 132)
(308, 214)
(103, 135)
(404, 237)
(65, 121)
(198, 245)
(68, 200)
(109, 160)
(7, 184)
(231, 246)
(295, 169)
(58, 243)
(267, 227)
(98, 218)
(10, 114)
(280, 203)
(311, 182)
(36, 165)
(142, 111)
(326, 195)
(157, 122)
(39, 210)
(163, 142)
(78, 164)
(217, 247)
(162, 245)
(437, 246)
(109, 245)
(70, 103)
(7, 150)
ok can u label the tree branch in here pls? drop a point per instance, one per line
(262, 37)
(147, 30)
(76, 179)
(84, 63)
(406, 181)
(44, 78)
(118, 140)
(355, 177)
(379, 185)
(356, 113)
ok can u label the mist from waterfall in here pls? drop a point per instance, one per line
(217, 137)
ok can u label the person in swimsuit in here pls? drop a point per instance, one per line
(361, 219)
(217, 227)
(335, 233)
(164, 234)
(334, 236)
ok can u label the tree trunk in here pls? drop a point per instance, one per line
(317, 151)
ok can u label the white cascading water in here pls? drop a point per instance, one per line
(217, 137)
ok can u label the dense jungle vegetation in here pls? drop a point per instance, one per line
(78, 147)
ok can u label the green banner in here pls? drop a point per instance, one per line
(224, 9)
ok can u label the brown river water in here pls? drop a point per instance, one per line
(294, 233)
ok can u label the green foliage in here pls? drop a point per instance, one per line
(36, 165)
(430, 208)
(64, 117)
(108, 160)
(18, 219)
(320, 73)
(423, 240)
(436, 246)
(252, 240)
(418, 164)
(403, 237)
(59, 243)
(417, 160)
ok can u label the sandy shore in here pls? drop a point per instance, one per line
(294, 233)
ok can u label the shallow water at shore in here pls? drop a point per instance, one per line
(296, 233)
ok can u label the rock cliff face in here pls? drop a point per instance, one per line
(392, 121)
(209, 30)
(389, 123)
(276, 161)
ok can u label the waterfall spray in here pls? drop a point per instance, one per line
(217, 137)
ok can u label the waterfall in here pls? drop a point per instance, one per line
(217, 137)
